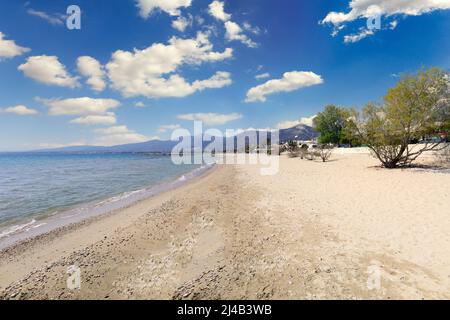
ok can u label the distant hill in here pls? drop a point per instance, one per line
(299, 132)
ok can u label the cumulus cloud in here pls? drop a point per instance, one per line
(118, 135)
(211, 119)
(262, 76)
(363, 9)
(84, 106)
(367, 8)
(106, 119)
(289, 124)
(172, 7)
(217, 10)
(93, 70)
(234, 33)
(9, 49)
(291, 81)
(48, 70)
(151, 72)
(167, 127)
(181, 23)
(20, 110)
(219, 80)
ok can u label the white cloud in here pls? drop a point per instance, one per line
(56, 19)
(289, 124)
(352, 38)
(211, 119)
(363, 9)
(20, 110)
(9, 49)
(216, 9)
(291, 81)
(393, 24)
(47, 145)
(199, 20)
(106, 119)
(234, 33)
(172, 7)
(248, 27)
(48, 70)
(79, 106)
(367, 8)
(140, 104)
(119, 135)
(167, 127)
(151, 72)
(219, 80)
(93, 70)
(181, 23)
(262, 76)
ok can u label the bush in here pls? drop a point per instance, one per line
(303, 151)
(324, 152)
(293, 149)
(282, 148)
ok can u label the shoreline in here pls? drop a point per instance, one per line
(235, 234)
(71, 237)
(31, 227)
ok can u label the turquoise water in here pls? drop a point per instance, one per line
(35, 186)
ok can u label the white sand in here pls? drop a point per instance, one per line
(313, 231)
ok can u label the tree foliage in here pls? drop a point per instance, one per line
(416, 109)
(330, 124)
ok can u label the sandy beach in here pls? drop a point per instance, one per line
(313, 231)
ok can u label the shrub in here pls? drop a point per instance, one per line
(324, 152)
(303, 151)
(293, 149)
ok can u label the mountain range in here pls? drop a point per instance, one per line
(298, 132)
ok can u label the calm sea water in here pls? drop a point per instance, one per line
(35, 186)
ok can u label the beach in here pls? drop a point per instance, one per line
(313, 231)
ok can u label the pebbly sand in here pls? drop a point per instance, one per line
(314, 231)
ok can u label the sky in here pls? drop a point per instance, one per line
(138, 69)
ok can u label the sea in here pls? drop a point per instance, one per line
(43, 191)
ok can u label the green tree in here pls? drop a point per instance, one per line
(416, 109)
(331, 123)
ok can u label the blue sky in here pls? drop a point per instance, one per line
(135, 83)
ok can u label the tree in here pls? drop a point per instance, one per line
(330, 124)
(416, 109)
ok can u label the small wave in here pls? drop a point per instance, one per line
(122, 196)
(17, 228)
